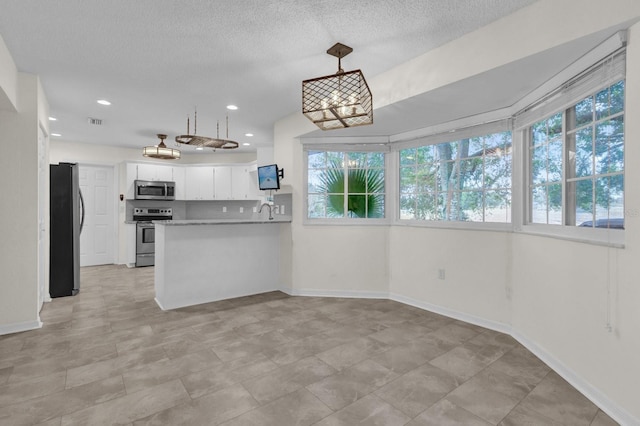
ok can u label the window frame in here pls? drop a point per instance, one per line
(353, 221)
(598, 236)
(455, 135)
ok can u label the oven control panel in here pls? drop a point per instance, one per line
(152, 213)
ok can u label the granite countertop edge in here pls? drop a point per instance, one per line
(190, 222)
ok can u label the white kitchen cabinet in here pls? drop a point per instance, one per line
(223, 183)
(148, 171)
(131, 244)
(240, 183)
(179, 177)
(199, 183)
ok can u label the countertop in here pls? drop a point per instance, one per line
(276, 219)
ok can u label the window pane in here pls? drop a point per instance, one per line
(317, 206)
(408, 156)
(317, 160)
(609, 201)
(602, 104)
(375, 180)
(497, 206)
(315, 181)
(375, 160)
(407, 206)
(471, 173)
(471, 206)
(539, 205)
(471, 148)
(426, 154)
(539, 165)
(584, 153)
(554, 199)
(357, 159)
(448, 179)
(335, 159)
(539, 133)
(584, 201)
(554, 124)
(375, 206)
(408, 179)
(447, 151)
(617, 98)
(335, 205)
(497, 172)
(610, 146)
(426, 207)
(427, 179)
(554, 165)
(584, 112)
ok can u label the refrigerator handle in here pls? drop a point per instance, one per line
(82, 208)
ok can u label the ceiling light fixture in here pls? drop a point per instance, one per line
(103, 102)
(248, 135)
(232, 107)
(205, 141)
(246, 144)
(339, 100)
(53, 119)
(161, 151)
(56, 134)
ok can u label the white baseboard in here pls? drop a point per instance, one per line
(614, 411)
(20, 326)
(335, 293)
(461, 316)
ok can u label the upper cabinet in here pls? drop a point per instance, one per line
(199, 182)
(155, 172)
(223, 182)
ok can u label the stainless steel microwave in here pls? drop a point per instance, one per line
(154, 190)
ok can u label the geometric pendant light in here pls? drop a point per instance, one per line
(161, 151)
(339, 100)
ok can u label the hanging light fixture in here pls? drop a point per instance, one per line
(339, 100)
(205, 141)
(161, 151)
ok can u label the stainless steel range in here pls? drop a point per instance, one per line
(146, 232)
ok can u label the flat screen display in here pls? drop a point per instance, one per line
(268, 177)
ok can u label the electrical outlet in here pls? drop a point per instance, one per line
(224, 210)
(282, 209)
(241, 209)
(255, 210)
(441, 274)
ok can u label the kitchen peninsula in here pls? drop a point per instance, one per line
(201, 261)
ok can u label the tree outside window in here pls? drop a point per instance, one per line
(464, 180)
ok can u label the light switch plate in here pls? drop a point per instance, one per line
(224, 210)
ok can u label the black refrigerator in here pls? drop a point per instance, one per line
(67, 218)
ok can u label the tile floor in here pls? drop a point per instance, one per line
(111, 356)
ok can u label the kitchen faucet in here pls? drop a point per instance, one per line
(268, 205)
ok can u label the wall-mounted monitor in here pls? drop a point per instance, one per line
(268, 177)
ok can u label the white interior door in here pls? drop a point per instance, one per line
(97, 236)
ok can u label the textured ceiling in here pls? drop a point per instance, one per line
(156, 60)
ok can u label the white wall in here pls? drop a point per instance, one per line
(19, 212)
(550, 293)
(8, 79)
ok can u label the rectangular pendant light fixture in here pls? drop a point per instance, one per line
(338, 100)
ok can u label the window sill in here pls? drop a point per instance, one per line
(602, 237)
(346, 222)
(468, 226)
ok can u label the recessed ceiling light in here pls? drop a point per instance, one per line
(248, 134)
(246, 144)
(53, 119)
(104, 102)
(199, 148)
(56, 134)
(232, 107)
